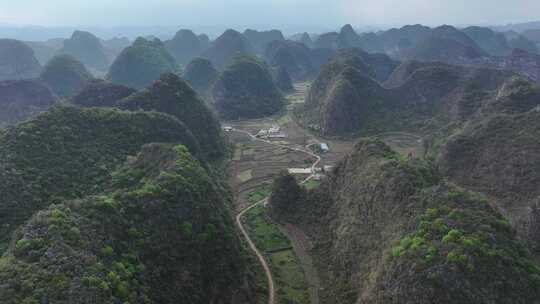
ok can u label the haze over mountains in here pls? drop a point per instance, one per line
(117, 153)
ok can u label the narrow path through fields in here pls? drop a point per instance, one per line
(260, 257)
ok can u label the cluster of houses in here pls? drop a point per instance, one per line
(273, 132)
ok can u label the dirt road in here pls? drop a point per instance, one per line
(260, 257)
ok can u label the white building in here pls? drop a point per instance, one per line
(324, 147)
(300, 171)
(274, 129)
(262, 133)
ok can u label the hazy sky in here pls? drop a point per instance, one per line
(274, 13)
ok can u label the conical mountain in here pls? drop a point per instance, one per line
(174, 96)
(86, 48)
(65, 75)
(227, 46)
(245, 90)
(141, 64)
(260, 39)
(17, 61)
(184, 46)
(201, 75)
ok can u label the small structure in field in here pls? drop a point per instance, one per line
(227, 128)
(273, 132)
(300, 171)
(324, 147)
(328, 169)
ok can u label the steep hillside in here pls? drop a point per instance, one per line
(141, 63)
(201, 75)
(100, 93)
(352, 101)
(204, 40)
(419, 97)
(493, 43)
(282, 79)
(496, 154)
(184, 46)
(371, 43)
(86, 48)
(348, 38)
(327, 41)
(65, 75)
(441, 49)
(172, 95)
(389, 230)
(68, 152)
(161, 233)
(23, 99)
(17, 61)
(295, 57)
(223, 50)
(396, 41)
(402, 73)
(304, 38)
(245, 90)
(517, 41)
(261, 39)
(44, 50)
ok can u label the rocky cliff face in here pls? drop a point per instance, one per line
(23, 99)
(65, 75)
(17, 61)
(161, 233)
(389, 230)
(141, 64)
(245, 89)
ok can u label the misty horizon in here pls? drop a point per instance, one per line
(213, 17)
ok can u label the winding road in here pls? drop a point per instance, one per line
(260, 257)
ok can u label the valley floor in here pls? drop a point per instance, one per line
(256, 162)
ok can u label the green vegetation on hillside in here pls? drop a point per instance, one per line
(201, 75)
(65, 75)
(161, 233)
(245, 89)
(172, 95)
(100, 93)
(69, 152)
(141, 64)
(286, 267)
(86, 48)
(23, 99)
(17, 61)
(386, 227)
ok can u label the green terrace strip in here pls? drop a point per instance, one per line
(286, 268)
